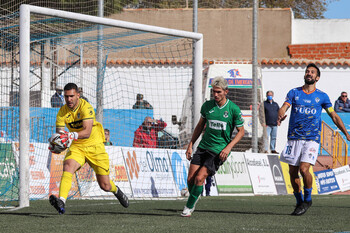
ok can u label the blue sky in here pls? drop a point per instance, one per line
(338, 10)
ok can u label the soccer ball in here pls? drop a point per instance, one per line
(185, 192)
(56, 145)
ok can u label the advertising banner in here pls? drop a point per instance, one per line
(260, 174)
(277, 174)
(118, 175)
(150, 172)
(326, 182)
(55, 169)
(342, 174)
(179, 167)
(8, 172)
(39, 173)
(233, 176)
(285, 169)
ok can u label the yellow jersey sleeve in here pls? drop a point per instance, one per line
(60, 121)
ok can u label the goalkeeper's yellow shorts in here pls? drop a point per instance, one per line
(96, 156)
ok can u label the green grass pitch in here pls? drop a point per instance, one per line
(329, 213)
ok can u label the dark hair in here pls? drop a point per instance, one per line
(107, 130)
(70, 86)
(139, 96)
(313, 65)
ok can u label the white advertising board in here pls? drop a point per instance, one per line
(342, 175)
(149, 172)
(233, 176)
(260, 174)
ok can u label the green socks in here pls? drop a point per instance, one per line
(195, 192)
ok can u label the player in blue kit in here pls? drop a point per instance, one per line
(304, 133)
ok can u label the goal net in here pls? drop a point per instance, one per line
(126, 71)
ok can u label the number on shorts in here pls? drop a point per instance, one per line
(289, 150)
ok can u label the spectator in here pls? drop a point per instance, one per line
(208, 182)
(342, 104)
(141, 103)
(81, 94)
(107, 137)
(147, 134)
(271, 115)
(57, 100)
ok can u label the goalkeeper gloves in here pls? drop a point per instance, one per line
(68, 137)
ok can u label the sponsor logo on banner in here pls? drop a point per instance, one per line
(326, 181)
(134, 168)
(233, 176)
(37, 190)
(31, 147)
(153, 166)
(120, 173)
(8, 172)
(234, 73)
(56, 171)
(342, 174)
(180, 167)
(37, 175)
(277, 174)
(285, 170)
(85, 174)
(260, 173)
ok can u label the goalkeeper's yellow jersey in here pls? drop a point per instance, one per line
(73, 120)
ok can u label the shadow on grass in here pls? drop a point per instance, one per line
(81, 213)
(228, 212)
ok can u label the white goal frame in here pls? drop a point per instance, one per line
(24, 41)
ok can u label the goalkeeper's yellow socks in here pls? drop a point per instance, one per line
(194, 195)
(114, 188)
(66, 184)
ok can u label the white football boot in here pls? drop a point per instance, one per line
(187, 212)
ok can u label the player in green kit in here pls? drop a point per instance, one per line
(219, 117)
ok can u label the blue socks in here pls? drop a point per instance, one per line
(299, 197)
(307, 194)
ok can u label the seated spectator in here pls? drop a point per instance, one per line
(57, 100)
(141, 103)
(342, 104)
(107, 137)
(147, 134)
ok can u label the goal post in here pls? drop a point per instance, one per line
(26, 12)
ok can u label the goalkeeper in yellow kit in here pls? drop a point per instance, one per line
(85, 141)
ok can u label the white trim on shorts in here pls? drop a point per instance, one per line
(297, 151)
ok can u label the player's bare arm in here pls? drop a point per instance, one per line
(196, 133)
(87, 128)
(226, 151)
(282, 112)
(338, 122)
(60, 130)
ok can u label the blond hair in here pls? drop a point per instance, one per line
(219, 81)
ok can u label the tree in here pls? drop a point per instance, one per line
(303, 9)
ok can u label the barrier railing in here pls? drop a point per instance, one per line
(334, 144)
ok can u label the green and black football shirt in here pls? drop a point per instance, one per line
(220, 123)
